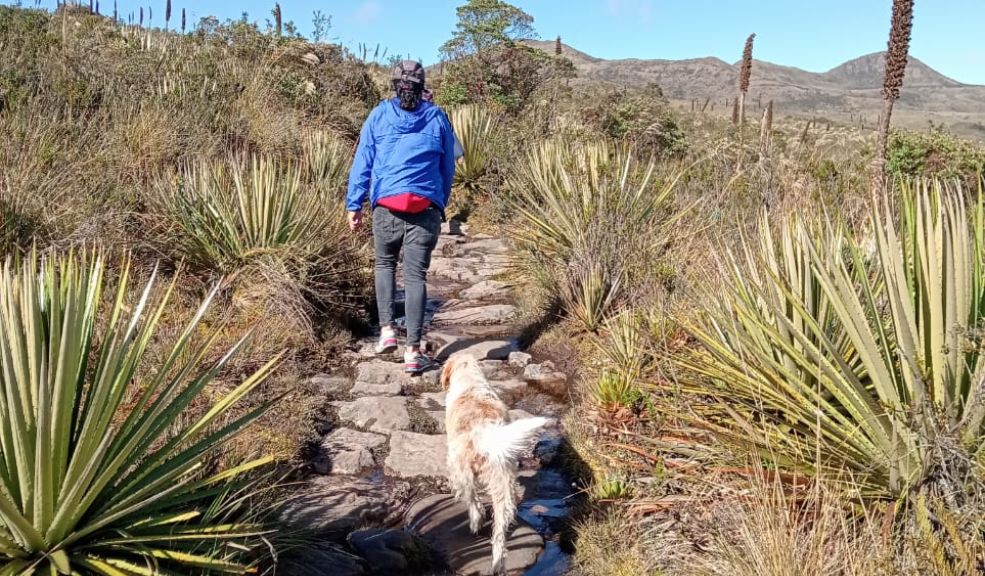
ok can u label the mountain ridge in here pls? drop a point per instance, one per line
(850, 92)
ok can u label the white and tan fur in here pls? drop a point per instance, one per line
(483, 448)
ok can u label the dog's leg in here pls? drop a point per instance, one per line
(501, 486)
(476, 512)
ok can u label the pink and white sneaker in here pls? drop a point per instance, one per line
(416, 362)
(388, 342)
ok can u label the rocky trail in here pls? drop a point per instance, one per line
(377, 495)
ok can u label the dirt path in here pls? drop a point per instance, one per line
(377, 496)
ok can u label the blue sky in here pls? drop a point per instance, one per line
(814, 35)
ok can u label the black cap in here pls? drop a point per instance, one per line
(409, 71)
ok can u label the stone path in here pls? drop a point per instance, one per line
(378, 493)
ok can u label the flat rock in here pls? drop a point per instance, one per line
(434, 399)
(331, 385)
(336, 505)
(510, 390)
(376, 413)
(318, 559)
(546, 378)
(495, 349)
(412, 455)
(439, 417)
(390, 551)
(444, 524)
(487, 246)
(491, 314)
(486, 290)
(490, 368)
(346, 451)
(519, 359)
(379, 372)
(366, 389)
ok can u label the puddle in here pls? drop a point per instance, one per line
(546, 506)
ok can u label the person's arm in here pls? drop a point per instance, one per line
(448, 140)
(362, 167)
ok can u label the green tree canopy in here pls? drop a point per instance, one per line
(483, 24)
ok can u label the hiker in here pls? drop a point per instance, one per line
(405, 163)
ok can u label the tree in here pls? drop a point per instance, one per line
(484, 24)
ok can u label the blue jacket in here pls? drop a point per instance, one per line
(401, 151)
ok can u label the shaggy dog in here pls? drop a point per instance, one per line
(483, 448)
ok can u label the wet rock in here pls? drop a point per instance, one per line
(376, 413)
(510, 390)
(491, 314)
(331, 386)
(519, 359)
(390, 551)
(334, 506)
(412, 455)
(319, 559)
(444, 524)
(346, 451)
(546, 378)
(486, 290)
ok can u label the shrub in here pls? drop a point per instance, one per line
(935, 153)
(227, 215)
(587, 221)
(855, 360)
(101, 473)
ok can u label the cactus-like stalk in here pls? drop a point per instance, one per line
(167, 14)
(278, 19)
(557, 46)
(184, 21)
(745, 72)
(896, 56)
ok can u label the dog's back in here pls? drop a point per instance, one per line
(484, 447)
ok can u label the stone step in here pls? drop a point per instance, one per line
(444, 524)
(414, 455)
(382, 414)
(346, 451)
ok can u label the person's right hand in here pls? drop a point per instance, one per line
(355, 220)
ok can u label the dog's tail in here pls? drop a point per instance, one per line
(502, 445)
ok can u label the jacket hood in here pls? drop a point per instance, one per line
(407, 121)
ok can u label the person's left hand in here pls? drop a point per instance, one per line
(355, 220)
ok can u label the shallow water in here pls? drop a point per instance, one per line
(546, 506)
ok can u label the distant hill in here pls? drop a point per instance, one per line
(848, 93)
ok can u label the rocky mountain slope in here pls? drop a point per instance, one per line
(849, 93)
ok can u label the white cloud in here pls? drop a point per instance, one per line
(368, 12)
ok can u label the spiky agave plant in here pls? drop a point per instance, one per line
(100, 474)
(828, 358)
(583, 217)
(473, 125)
(227, 215)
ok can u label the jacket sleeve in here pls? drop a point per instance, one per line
(448, 157)
(362, 166)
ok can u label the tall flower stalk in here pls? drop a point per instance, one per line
(745, 72)
(896, 56)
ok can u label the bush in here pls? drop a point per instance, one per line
(935, 153)
(101, 472)
(587, 221)
(855, 360)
